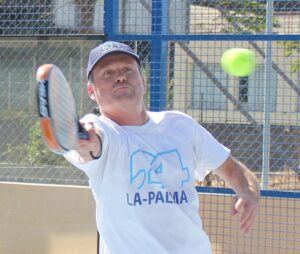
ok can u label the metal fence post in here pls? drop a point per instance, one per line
(159, 57)
(111, 18)
(267, 100)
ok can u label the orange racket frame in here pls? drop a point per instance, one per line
(46, 125)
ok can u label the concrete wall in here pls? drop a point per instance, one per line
(37, 219)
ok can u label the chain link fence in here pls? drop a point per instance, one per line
(180, 43)
(233, 109)
(50, 17)
(23, 154)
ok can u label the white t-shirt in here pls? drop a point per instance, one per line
(143, 184)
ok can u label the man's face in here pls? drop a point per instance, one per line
(117, 82)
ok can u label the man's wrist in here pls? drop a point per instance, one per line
(250, 190)
(98, 155)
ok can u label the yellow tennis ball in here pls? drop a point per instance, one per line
(238, 62)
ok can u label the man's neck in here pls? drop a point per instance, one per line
(126, 117)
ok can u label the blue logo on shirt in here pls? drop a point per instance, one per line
(164, 169)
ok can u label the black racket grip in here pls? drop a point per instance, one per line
(82, 134)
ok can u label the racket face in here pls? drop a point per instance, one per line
(56, 104)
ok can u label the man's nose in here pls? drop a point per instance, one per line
(120, 77)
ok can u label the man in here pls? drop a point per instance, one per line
(141, 165)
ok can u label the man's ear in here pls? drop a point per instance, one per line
(91, 92)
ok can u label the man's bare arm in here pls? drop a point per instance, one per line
(246, 186)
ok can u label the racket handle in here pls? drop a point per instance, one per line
(82, 134)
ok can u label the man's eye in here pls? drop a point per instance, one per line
(128, 70)
(107, 74)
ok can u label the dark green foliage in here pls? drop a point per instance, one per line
(34, 152)
(291, 48)
(38, 153)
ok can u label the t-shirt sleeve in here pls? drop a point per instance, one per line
(209, 152)
(92, 167)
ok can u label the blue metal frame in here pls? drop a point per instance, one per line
(206, 37)
(159, 39)
(159, 48)
(264, 193)
(111, 19)
(158, 57)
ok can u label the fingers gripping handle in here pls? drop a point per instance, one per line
(83, 134)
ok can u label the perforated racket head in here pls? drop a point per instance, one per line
(57, 110)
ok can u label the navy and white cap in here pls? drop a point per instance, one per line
(107, 48)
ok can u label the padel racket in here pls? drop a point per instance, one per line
(57, 110)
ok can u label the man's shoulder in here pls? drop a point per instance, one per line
(169, 115)
(96, 119)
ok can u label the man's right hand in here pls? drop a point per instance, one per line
(93, 145)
